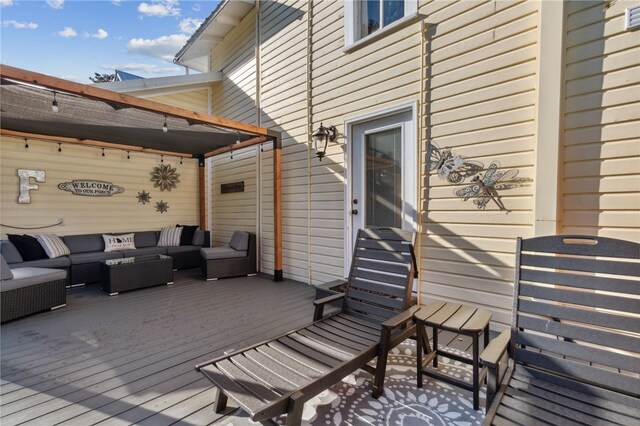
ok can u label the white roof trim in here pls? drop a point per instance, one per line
(163, 85)
(195, 53)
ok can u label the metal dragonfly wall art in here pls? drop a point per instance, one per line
(485, 186)
(453, 168)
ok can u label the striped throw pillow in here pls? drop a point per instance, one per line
(169, 237)
(53, 245)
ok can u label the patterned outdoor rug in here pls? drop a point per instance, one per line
(403, 404)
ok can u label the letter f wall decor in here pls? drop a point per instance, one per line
(26, 185)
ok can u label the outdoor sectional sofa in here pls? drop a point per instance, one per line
(28, 290)
(87, 251)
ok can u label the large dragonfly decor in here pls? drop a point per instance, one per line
(484, 187)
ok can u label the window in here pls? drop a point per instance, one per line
(366, 18)
(375, 14)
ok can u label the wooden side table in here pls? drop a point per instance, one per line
(457, 318)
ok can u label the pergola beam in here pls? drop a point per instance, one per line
(229, 148)
(90, 142)
(93, 92)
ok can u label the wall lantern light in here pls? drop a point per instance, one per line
(321, 139)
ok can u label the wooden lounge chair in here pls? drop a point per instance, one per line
(277, 376)
(575, 335)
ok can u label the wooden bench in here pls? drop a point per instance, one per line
(574, 343)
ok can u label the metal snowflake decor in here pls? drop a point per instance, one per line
(143, 197)
(165, 177)
(162, 206)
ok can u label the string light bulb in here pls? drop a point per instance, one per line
(261, 147)
(232, 154)
(128, 156)
(164, 126)
(103, 152)
(237, 136)
(59, 147)
(54, 103)
(26, 143)
(180, 160)
(162, 158)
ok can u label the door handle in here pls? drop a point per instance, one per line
(354, 211)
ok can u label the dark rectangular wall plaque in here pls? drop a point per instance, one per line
(227, 188)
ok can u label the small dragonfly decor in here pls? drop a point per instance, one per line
(453, 168)
(484, 187)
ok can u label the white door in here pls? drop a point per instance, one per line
(383, 179)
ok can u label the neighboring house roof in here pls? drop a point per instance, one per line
(123, 76)
(162, 85)
(195, 53)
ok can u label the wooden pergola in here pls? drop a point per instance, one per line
(210, 135)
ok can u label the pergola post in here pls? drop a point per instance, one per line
(202, 189)
(277, 208)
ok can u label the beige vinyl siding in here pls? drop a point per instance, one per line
(601, 169)
(283, 101)
(194, 100)
(233, 211)
(235, 96)
(480, 93)
(81, 214)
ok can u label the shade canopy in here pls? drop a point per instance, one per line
(88, 113)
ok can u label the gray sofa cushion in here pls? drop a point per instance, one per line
(5, 271)
(144, 251)
(198, 238)
(10, 252)
(145, 239)
(58, 262)
(213, 253)
(84, 243)
(182, 249)
(25, 277)
(240, 241)
(97, 256)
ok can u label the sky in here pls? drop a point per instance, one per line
(73, 39)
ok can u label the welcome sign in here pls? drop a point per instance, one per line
(91, 188)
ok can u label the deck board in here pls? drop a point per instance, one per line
(130, 358)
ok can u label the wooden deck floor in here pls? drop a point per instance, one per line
(130, 358)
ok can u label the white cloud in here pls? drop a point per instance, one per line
(6, 3)
(100, 34)
(189, 25)
(55, 4)
(20, 25)
(164, 47)
(116, 2)
(67, 32)
(196, 7)
(160, 8)
(142, 68)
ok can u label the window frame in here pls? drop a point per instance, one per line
(352, 17)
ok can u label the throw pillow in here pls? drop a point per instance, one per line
(119, 242)
(186, 238)
(28, 247)
(5, 271)
(53, 245)
(169, 237)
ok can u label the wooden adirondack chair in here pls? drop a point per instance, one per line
(574, 342)
(277, 376)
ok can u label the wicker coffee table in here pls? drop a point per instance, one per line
(132, 273)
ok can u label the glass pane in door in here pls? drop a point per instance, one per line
(383, 178)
